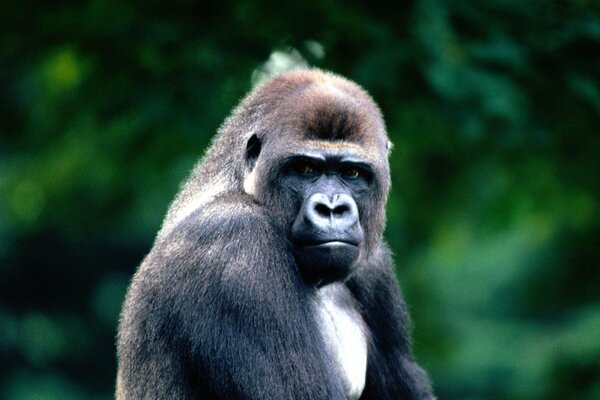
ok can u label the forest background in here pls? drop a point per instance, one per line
(494, 216)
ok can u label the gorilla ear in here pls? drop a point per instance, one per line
(252, 151)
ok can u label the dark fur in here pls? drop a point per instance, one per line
(218, 309)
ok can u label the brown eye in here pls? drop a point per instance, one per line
(351, 173)
(307, 169)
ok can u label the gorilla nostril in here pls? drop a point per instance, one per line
(323, 210)
(330, 213)
(341, 210)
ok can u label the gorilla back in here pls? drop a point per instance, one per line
(269, 278)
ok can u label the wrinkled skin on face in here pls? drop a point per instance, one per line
(326, 233)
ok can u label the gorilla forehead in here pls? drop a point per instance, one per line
(309, 104)
(333, 118)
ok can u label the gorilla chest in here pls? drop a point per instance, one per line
(345, 335)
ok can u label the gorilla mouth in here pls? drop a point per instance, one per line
(331, 243)
(327, 261)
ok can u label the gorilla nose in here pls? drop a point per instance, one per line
(338, 211)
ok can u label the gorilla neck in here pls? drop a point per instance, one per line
(344, 333)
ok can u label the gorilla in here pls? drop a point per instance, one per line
(269, 278)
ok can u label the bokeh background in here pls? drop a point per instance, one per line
(494, 216)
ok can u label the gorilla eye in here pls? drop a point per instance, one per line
(307, 169)
(304, 168)
(351, 173)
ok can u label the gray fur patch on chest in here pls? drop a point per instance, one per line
(345, 335)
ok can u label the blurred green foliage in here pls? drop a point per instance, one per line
(494, 217)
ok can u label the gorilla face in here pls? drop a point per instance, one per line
(326, 233)
(322, 194)
(315, 159)
(325, 195)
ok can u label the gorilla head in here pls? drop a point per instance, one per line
(320, 164)
(311, 148)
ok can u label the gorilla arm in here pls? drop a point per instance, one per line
(392, 372)
(218, 310)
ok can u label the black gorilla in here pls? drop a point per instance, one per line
(269, 278)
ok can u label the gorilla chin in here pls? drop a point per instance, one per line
(327, 262)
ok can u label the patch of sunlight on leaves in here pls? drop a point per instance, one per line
(451, 244)
(108, 297)
(27, 386)
(432, 27)
(9, 332)
(472, 270)
(316, 49)
(474, 274)
(521, 355)
(26, 201)
(580, 210)
(63, 71)
(581, 334)
(279, 61)
(499, 49)
(500, 353)
(41, 338)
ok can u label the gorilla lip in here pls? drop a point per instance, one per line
(334, 242)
